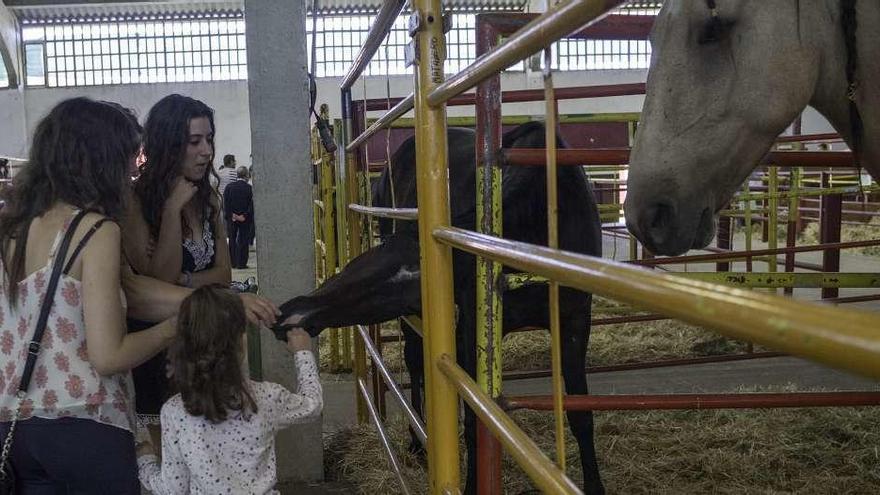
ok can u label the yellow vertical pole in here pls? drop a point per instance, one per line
(327, 188)
(747, 220)
(794, 196)
(353, 232)
(436, 259)
(489, 311)
(773, 216)
(316, 207)
(553, 242)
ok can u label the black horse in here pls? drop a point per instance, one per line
(383, 283)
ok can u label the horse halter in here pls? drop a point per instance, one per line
(714, 27)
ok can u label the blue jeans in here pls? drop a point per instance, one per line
(68, 456)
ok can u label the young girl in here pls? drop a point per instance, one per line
(220, 429)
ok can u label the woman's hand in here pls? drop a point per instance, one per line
(143, 444)
(298, 340)
(182, 191)
(259, 310)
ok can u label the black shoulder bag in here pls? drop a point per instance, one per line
(7, 477)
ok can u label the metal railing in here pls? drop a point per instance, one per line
(844, 339)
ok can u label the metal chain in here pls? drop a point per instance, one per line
(7, 443)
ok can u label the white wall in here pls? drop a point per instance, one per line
(229, 99)
(21, 110)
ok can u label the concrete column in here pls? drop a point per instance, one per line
(9, 45)
(279, 102)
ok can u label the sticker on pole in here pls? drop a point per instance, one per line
(436, 60)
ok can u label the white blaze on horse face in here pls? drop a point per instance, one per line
(294, 319)
(712, 110)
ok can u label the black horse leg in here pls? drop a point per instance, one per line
(413, 356)
(575, 335)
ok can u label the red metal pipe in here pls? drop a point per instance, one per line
(612, 27)
(830, 218)
(620, 156)
(526, 95)
(487, 111)
(693, 401)
(724, 240)
(852, 299)
(802, 138)
(535, 157)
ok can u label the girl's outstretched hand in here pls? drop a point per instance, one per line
(298, 340)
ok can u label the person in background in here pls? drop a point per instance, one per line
(173, 230)
(75, 432)
(238, 209)
(222, 423)
(227, 174)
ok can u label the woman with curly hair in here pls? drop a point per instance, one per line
(223, 424)
(75, 422)
(173, 230)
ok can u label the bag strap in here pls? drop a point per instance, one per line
(82, 244)
(58, 262)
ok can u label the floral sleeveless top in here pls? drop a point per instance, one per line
(64, 383)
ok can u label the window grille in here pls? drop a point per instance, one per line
(4, 76)
(211, 47)
(575, 54)
(154, 49)
(340, 37)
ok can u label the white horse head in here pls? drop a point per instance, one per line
(727, 77)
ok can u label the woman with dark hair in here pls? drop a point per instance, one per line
(75, 422)
(173, 231)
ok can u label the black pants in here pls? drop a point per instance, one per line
(240, 237)
(70, 456)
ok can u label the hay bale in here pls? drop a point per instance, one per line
(848, 233)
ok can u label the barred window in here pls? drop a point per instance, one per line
(340, 37)
(211, 47)
(4, 76)
(154, 49)
(640, 8)
(576, 54)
